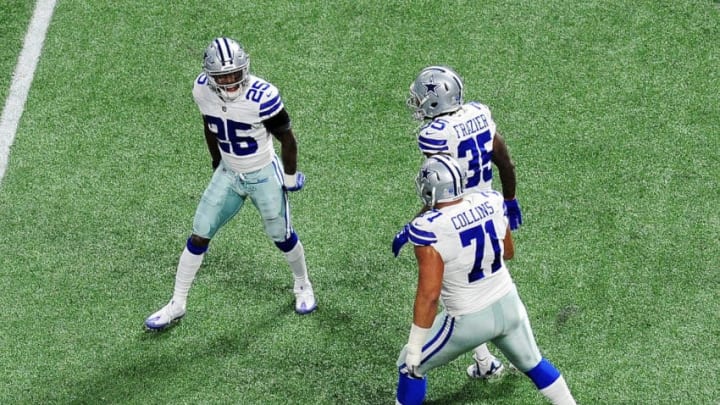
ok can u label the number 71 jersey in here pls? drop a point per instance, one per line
(467, 135)
(245, 144)
(469, 238)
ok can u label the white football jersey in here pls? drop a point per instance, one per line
(467, 135)
(469, 237)
(245, 144)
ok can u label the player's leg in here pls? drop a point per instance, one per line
(471, 329)
(518, 344)
(218, 204)
(448, 338)
(550, 383)
(486, 365)
(411, 389)
(272, 203)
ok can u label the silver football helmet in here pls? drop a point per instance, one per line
(441, 179)
(227, 67)
(436, 90)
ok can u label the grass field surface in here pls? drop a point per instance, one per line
(611, 113)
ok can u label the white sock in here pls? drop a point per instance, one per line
(558, 393)
(296, 260)
(188, 266)
(482, 352)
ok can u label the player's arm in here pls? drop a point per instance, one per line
(212, 144)
(508, 245)
(430, 273)
(280, 126)
(506, 168)
(288, 150)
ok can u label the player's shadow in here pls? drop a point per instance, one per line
(128, 373)
(134, 377)
(471, 391)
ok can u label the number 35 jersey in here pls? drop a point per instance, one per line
(467, 135)
(245, 144)
(469, 238)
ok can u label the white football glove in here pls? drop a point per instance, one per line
(413, 356)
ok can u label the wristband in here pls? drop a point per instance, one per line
(290, 180)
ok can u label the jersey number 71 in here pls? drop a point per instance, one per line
(482, 234)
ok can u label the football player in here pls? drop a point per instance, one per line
(241, 115)
(461, 243)
(467, 132)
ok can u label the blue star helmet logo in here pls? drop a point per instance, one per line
(425, 173)
(430, 86)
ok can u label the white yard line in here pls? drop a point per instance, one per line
(23, 77)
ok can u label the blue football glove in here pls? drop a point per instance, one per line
(294, 182)
(512, 209)
(401, 238)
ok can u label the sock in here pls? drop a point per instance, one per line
(482, 352)
(296, 260)
(188, 266)
(558, 393)
(550, 383)
(410, 391)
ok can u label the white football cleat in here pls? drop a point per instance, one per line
(304, 299)
(165, 317)
(487, 368)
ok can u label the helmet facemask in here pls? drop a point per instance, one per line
(414, 102)
(229, 85)
(425, 191)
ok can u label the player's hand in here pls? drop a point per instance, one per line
(401, 238)
(293, 182)
(413, 355)
(512, 209)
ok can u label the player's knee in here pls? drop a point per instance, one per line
(276, 229)
(204, 225)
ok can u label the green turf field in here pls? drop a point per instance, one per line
(610, 109)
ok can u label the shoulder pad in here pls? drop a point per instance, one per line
(201, 79)
(420, 234)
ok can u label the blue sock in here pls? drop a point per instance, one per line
(411, 391)
(288, 244)
(543, 374)
(196, 250)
